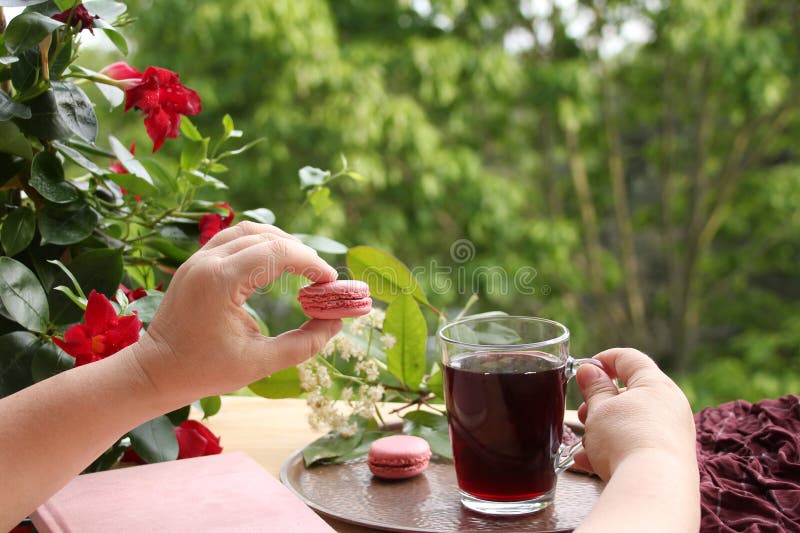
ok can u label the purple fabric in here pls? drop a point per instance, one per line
(749, 458)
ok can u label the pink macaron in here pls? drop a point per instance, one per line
(398, 456)
(335, 299)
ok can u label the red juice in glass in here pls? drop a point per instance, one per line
(506, 413)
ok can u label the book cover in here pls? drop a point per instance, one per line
(227, 492)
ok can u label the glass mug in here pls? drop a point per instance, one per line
(505, 382)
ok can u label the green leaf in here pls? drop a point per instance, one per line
(386, 275)
(179, 416)
(20, 3)
(434, 383)
(330, 446)
(49, 360)
(155, 440)
(241, 149)
(47, 177)
(190, 131)
(320, 199)
(67, 272)
(27, 29)
(116, 38)
(79, 159)
(12, 141)
(174, 253)
(80, 301)
(60, 112)
(23, 296)
(322, 244)
(66, 223)
(193, 154)
(210, 405)
(139, 180)
(432, 428)
(227, 124)
(89, 148)
(99, 269)
(63, 5)
(10, 108)
(26, 74)
(406, 359)
(312, 176)
(18, 229)
(164, 180)
(105, 9)
(262, 215)
(282, 384)
(147, 306)
(17, 349)
(201, 179)
(362, 449)
(355, 176)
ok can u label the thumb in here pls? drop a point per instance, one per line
(295, 346)
(595, 385)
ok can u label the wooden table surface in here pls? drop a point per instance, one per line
(269, 431)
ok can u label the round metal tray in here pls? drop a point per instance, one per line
(429, 502)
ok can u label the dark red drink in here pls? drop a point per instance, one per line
(506, 416)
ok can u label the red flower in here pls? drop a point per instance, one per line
(75, 16)
(159, 94)
(122, 71)
(139, 292)
(103, 333)
(194, 440)
(212, 223)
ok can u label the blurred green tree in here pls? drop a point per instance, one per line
(637, 157)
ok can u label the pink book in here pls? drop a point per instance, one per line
(227, 492)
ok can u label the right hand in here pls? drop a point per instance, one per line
(202, 342)
(650, 415)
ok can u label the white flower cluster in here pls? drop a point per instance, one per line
(361, 388)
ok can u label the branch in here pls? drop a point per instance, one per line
(622, 214)
(580, 181)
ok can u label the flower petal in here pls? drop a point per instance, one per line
(100, 314)
(120, 71)
(209, 225)
(158, 126)
(196, 440)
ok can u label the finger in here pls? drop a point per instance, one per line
(240, 243)
(595, 385)
(628, 364)
(262, 263)
(582, 411)
(243, 229)
(295, 346)
(582, 462)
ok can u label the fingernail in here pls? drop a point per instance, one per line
(588, 374)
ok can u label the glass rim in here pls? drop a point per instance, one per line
(564, 336)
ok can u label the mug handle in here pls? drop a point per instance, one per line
(566, 454)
